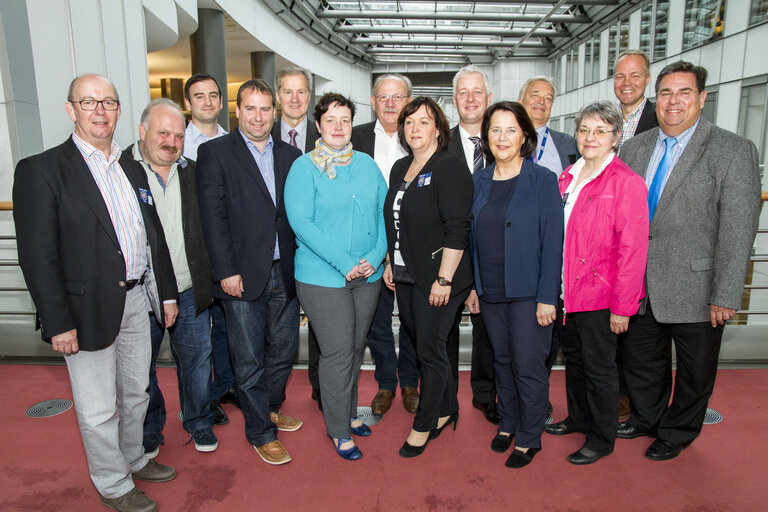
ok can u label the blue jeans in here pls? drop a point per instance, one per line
(263, 337)
(223, 374)
(191, 349)
(381, 341)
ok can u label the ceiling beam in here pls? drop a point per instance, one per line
(458, 16)
(446, 42)
(429, 51)
(423, 29)
(533, 29)
(533, 2)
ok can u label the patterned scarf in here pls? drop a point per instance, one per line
(326, 158)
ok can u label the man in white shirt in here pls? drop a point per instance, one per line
(379, 139)
(294, 91)
(471, 97)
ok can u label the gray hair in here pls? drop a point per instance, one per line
(74, 81)
(397, 76)
(471, 68)
(540, 78)
(293, 70)
(627, 53)
(606, 111)
(165, 102)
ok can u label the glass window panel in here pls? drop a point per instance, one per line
(660, 26)
(613, 47)
(588, 63)
(596, 58)
(646, 27)
(758, 12)
(623, 36)
(752, 115)
(709, 112)
(703, 22)
(572, 70)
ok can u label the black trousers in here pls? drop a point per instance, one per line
(428, 327)
(591, 378)
(648, 372)
(482, 374)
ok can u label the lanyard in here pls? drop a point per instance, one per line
(543, 143)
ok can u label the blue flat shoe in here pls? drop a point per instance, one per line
(353, 453)
(361, 431)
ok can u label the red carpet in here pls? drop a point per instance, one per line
(43, 466)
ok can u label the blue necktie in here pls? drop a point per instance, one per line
(654, 193)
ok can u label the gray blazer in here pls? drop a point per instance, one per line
(702, 233)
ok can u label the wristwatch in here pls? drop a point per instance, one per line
(443, 281)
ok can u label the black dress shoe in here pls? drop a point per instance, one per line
(409, 451)
(519, 459)
(561, 428)
(452, 419)
(489, 411)
(663, 450)
(585, 456)
(219, 416)
(230, 397)
(627, 431)
(501, 443)
(549, 408)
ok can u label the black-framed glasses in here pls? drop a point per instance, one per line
(108, 104)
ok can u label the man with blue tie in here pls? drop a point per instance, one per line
(704, 203)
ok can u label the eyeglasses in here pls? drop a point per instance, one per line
(599, 132)
(397, 98)
(93, 104)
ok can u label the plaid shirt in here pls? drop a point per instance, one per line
(630, 125)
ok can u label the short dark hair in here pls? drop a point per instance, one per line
(443, 132)
(328, 99)
(255, 84)
(684, 67)
(517, 110)
(199, 77)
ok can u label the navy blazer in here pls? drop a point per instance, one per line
(456, 147)
(239, 218)
(533, 238)
(648, 118)
(312, 134)
(364, 138)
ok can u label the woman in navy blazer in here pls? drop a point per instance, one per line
(517, 249)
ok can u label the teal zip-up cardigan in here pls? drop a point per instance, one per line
(336, 221)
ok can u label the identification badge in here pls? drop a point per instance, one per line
(146, 196)
(424, 180)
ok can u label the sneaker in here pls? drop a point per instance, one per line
(285, 423)
(205, 440)
(273, 453)
(132, 501)
(155, 472)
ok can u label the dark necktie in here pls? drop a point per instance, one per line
(654, 193)
(478, 162)
(293, 134)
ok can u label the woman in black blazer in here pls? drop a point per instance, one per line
(428, 218)
(517, 250)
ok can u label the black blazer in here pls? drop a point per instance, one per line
(364, 138)
(194, 242)
(566, 148)
(312, 134)
(239, 218)
(456, 148)
(648, 118)
(68, 248)
(432, 217)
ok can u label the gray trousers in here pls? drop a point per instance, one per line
(109, 388)
(340, 318)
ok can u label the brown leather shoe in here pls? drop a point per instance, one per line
(132, 501)
(155, 472)
(273, 453)
(410, 399)
(624, 407)
(382, 401)
(285, 423)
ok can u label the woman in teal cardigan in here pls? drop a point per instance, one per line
(334, 199)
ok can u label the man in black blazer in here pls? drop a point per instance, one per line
(294, 90)
(379, 140)
(471, 97)
(251, 245)
(631, 76)
(93, 255)
(173, 185)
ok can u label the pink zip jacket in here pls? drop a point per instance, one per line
(606, 242)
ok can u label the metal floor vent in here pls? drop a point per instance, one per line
(711, 417)
(49, 408)
(366, 416)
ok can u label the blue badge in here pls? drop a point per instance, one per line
(424, 180)
(145, 196)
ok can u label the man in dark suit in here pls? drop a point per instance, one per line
(379, 140)
(471, 97)
(93, 255)
(251, 245)
(631, 76)
(173, 185)
(704, 204)
(294, 91)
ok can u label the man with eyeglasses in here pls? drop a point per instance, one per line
(704, 204)
(92, 251)
(379, 139)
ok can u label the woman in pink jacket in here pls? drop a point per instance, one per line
(604, 256)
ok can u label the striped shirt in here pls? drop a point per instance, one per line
(658, 154)
(630, 125)
(122, 204)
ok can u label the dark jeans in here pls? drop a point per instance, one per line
(263, 339)
(191, 349)
(591, 378)
(381, 341)
(648, 372)
(520, 349)
(429, 326)
(223, 374)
